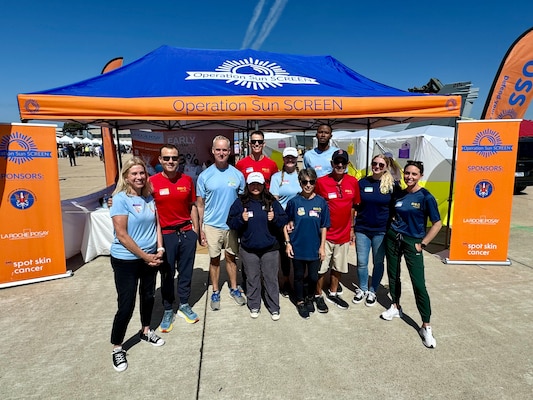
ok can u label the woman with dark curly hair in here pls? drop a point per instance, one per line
(407, 237)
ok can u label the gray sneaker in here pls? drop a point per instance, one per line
(236, 295)
(215, 300)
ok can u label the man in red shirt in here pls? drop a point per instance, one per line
(175, 199)
(341, 192)
(257, 161)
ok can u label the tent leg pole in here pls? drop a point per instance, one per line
(119, 153)
(367, 145)
(450, 195)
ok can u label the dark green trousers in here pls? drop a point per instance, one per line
(396, 247)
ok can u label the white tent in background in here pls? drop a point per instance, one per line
(76, 140)
(86, 140)
(432, 144)
(96, 141)
(65, 140)
(355, 144)
(275, 143)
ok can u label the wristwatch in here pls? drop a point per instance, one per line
(423, 245)
(287, 242)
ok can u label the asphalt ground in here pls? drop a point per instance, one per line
(56, 335)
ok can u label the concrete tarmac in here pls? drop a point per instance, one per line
(56, 336)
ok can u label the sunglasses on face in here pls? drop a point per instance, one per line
(376, 164)
(339, 161)
(310, 181)
(257, 141)
(168, 158)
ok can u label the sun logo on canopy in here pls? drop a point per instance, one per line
(252, 73)
(31, 106)
(253, 67)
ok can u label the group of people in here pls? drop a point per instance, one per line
(272, 220)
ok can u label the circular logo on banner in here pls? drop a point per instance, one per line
(21, 199)
(18, 147)
(483, 189)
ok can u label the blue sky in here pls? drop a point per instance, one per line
(46, 44)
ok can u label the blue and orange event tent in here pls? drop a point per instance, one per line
(177, 88)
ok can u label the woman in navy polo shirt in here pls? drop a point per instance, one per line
(305, 238)
(407, 237)
(371, 225)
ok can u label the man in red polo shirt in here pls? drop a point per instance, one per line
(257, 161)
(341, 192)
(175, 199)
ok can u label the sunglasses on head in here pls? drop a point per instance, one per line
(380, 165)
(257, 141)
(167, 158)
(412, 162)
(308, 181)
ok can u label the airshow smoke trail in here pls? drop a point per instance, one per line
(266, 27)
(251, 31)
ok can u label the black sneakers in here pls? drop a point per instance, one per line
(310, 305)
(321, 305)
(119, 360)
(302, 310)
(152, 338)
(337, 300)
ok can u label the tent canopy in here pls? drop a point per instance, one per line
(176, 88)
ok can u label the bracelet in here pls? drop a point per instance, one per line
(160, 249)
(287, 242)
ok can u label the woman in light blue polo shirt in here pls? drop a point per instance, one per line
(136, 252)
(284, 185)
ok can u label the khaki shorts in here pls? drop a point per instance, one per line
(336, 258)
(220, 239)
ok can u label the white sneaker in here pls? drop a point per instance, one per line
(391, 313)
(427, 337)
(275, 316)
(254, 313)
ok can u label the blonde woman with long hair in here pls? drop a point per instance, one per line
(371, 225)
(136, 252)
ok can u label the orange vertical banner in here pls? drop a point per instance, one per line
(31, 233)
(484, 182)
(512, 89)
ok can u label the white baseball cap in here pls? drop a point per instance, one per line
(255, 177)
(290, 151)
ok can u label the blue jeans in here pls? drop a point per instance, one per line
(363, 243)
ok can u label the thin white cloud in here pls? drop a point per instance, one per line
(270, 21)
(251, 31)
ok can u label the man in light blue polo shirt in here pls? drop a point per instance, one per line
(217, 188)
(320, 157)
